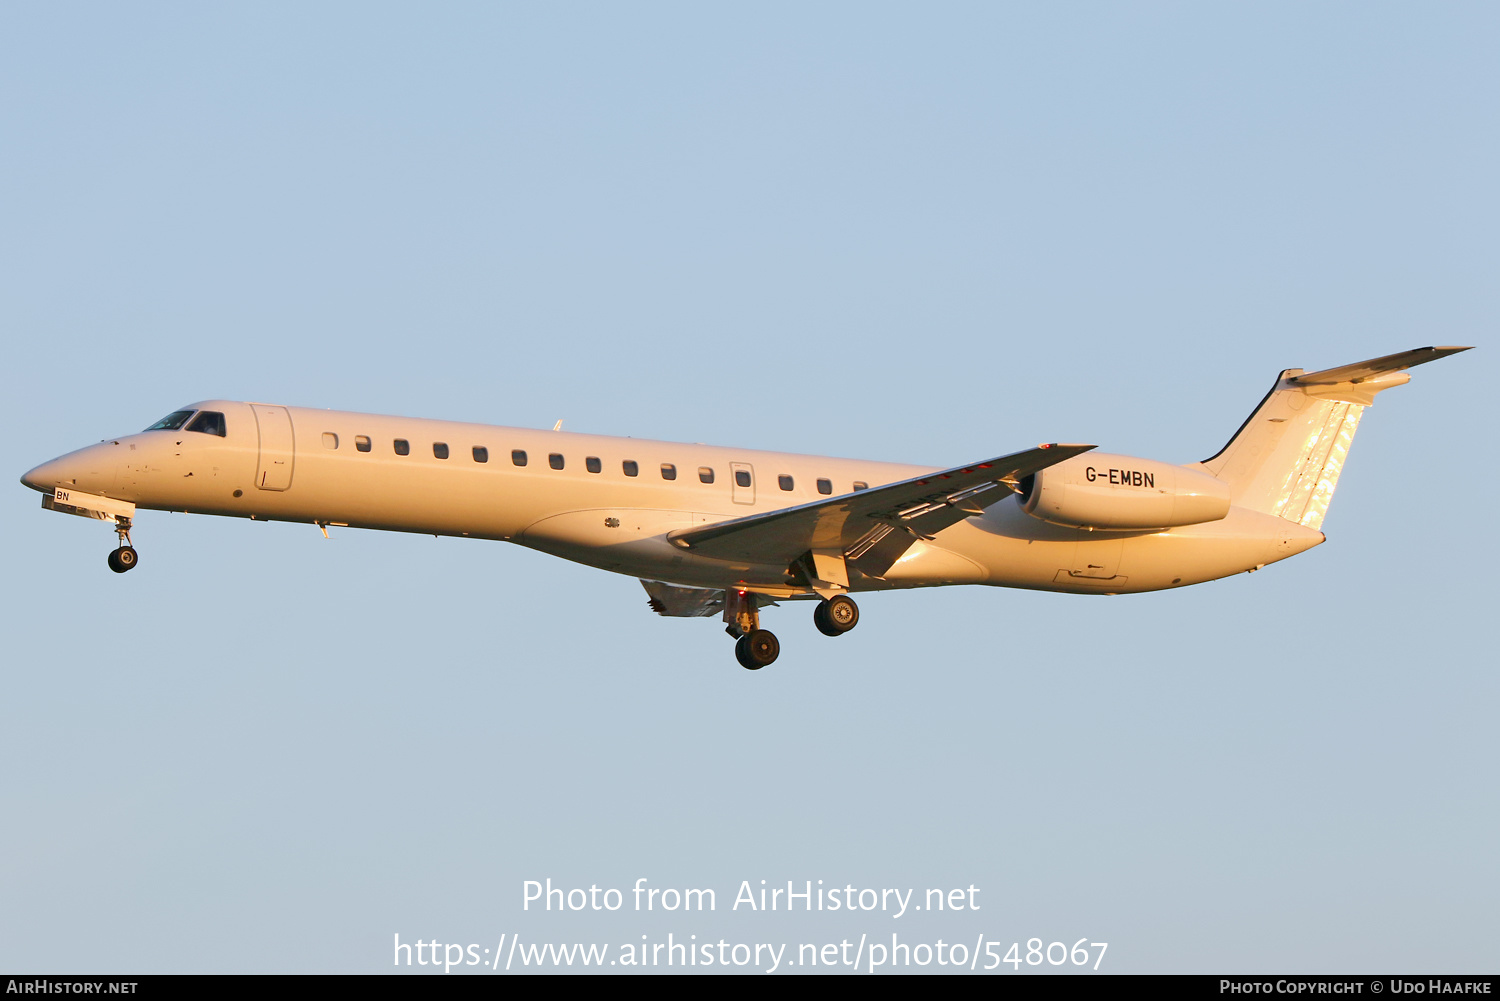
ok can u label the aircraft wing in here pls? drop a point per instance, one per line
(919, 507)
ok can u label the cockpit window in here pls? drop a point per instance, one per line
(172, 421)
(213, 423)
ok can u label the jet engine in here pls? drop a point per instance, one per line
(1122, 493)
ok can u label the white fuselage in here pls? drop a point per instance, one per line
(316, 470)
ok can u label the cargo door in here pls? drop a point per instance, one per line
(277, 451)
(1096, 561)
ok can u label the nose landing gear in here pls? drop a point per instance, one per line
(124, 558)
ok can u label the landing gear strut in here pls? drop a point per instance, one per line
(836, 616)
(754, 647)
(124, 558)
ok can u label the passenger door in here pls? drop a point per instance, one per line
(277, 451)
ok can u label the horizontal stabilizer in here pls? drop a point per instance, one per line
(1360, 382)
(1363, 370)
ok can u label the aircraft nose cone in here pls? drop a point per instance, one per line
(90, 469)
(44, 477)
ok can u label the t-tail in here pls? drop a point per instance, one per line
(1286, 458)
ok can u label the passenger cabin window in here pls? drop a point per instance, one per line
(518, 456)
(555, 460)
(742, 477)
(668, 471)
(784, 481)
(630, 467)
(440, 450)
(362, 442)
(481, 454)
(861, 485)
(593, 465)
(172, 421)
(330, 440)
(825, 486)
(403, 447)
(705, 474)
(210, 422)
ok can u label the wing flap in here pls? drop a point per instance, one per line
(682, 602)
(918, 507)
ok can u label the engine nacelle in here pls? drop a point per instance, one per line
(1121, 493)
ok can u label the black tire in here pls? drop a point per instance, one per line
(836, 616)
(125, 559)
(762, 648)
(757, 649)
(114, 561)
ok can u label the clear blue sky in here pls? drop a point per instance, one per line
(918, 233)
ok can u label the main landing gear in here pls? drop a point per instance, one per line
(836, 616)
(124, 558)
(756, 648)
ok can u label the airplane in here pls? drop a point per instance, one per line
(728, 531)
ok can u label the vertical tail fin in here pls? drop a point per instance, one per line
(1286, 458)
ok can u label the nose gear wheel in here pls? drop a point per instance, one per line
(124, 558)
